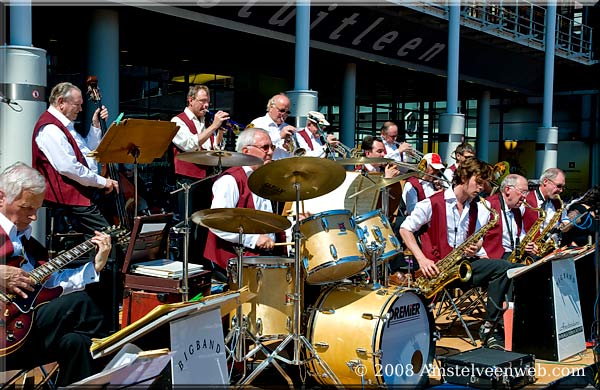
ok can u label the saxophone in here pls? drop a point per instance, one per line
(545, 242)
(529, 237)
(453, 266)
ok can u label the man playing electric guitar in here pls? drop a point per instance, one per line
(38, 329)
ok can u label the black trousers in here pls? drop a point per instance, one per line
(62, 332)
(491, 273)
(108, 292)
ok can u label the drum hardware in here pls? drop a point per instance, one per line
(252, 222)
(293, 179)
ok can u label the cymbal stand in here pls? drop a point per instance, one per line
(186, 237)
(239, 330)
(296, 335)
(385, 206)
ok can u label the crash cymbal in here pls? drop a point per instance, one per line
(314, 176)
(364, 160)
(219, 157)
(251, 221)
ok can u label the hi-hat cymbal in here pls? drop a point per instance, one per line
(251, 221)
(314, 176)
(219, 157)
(364, 160)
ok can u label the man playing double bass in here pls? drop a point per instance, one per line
(59, 153)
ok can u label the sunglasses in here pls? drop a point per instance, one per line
(265, 148)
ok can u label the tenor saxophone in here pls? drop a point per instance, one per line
(454, 266)
(516, 256)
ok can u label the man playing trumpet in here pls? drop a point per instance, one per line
(309, 138)
(278, 109)
(395, 150)
(373, 148)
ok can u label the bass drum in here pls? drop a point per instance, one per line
(379, 337)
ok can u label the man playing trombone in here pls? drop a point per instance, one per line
(417, 189)
(312, 138)
(373, 148)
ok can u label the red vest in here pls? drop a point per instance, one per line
(33, 248)
(418, 187)
(59, 189)
(530, 216)
(218, 250)
(306, 137)
(453, 167)
(187, 168)
(434, 242)
(492, 242)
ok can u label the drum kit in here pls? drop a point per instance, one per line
(355, 333)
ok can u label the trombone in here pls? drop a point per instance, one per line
(414, 153)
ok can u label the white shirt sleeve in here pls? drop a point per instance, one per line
(74, 279)
(409, 196)
(184, 139)
(227, 195)
(55, 146)
(420, 216)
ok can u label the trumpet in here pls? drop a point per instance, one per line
(340, 148)
(229, 125)
(291, 145)
(414, 153)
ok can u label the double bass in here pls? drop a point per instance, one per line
(124, 198)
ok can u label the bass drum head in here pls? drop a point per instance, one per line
(407, 342)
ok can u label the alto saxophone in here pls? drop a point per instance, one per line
(454, 266)
(529, 237)
(544, 242)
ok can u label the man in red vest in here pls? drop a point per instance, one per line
(195, 134)
(61, 327)
(309, 138)
(546, 197)
(416, 189)
(505, 237)
(451, 217)
(231, 191)
(462, 151)
(59, 152)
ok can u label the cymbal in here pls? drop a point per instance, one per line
(314, 176)
(251, 221)
(364, 160)
(383, 182)
(219, 157)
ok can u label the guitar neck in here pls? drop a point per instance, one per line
(45, 270)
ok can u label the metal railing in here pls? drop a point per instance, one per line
(521, 22)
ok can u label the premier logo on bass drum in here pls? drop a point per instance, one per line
(403, 313)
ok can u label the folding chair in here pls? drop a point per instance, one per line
(26, 378)
(470, 303)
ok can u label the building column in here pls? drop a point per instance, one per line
(103, 61)
(452, 124)
(546, 148)
(348, 106)
(483, 127)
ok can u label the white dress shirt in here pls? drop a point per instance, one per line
(457, 223)
(226, 194)
(54, 144)
(549, 208)
(319, 148)
(266, 123)
(72, 279)
(409, 193)
(184, 139)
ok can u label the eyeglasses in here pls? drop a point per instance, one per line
(282, 110)
(264, 148)
(522, 192)
(202, 101)
(559, 186)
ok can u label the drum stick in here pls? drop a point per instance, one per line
(283, 243)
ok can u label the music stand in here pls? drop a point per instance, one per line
(135, 141)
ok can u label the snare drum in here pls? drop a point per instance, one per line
(332, 249)
(372, 337)
(376, 227)
(268, 315)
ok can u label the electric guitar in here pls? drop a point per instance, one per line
(16, 319)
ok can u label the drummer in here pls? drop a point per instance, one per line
(231, 191)
(373, 148)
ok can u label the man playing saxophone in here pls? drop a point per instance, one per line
(508, 235)
(449, 218)
(545, 197)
